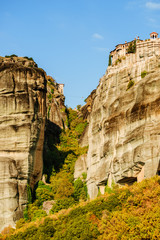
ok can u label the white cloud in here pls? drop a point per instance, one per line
(97, 36)
(153, 5)
(101, 49)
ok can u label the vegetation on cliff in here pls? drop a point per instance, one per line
(132, 47)
(110, 60)
(126, 213)
(61, 186)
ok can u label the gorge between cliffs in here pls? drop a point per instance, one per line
(49, 152)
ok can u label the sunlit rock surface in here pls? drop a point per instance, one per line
(124, 124)
(22, 122)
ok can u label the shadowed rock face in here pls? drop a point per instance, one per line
(56, 121)
(124, 125)
(22, 121)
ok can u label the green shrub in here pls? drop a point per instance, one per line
(29, 195)
(79, 228)
(119, 60)
(45, 231)
(25, 213)
(46, 228)
(80, 128)
(13, 55)
(50, 97)
(29, 58)
(132, 47)
(62, 204)
(78, 107)
(108, 189)
(48, 113)
(130, 84)
(44, 193)
(110, 60)
(84, 175)
(80, 190)
(143, 74)
(99, 193)
(29, 234)
(61, 185)
(20, 223)
(34, 211)
(38, 214)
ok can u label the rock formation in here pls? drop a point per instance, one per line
(56, 121)
(22, 123)
(56, 110)
(124, 124)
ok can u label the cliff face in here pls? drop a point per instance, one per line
(55, 103)
(124, 124)
(22, 122)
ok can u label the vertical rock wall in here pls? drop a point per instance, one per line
(22, 122)
(124, 124)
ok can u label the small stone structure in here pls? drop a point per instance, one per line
(60, 87)
(153, 35)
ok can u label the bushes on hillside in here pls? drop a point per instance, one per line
(62, 204)
(45, 231)
(127, 213)
(43, 193)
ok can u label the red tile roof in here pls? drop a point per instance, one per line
(153, 33)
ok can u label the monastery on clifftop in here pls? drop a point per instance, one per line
(143, 48)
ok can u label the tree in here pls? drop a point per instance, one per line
(132, 47)
(110, 60)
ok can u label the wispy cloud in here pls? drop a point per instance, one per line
(153, 5)
(101, 49)
(97, 36)
(152, 20)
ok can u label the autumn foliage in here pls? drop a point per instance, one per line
(127, 213)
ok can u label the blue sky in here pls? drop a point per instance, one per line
(71, 39)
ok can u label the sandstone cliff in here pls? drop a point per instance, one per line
(124, 124)
(22, 122)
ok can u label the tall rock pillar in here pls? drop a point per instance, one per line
(22, 121)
